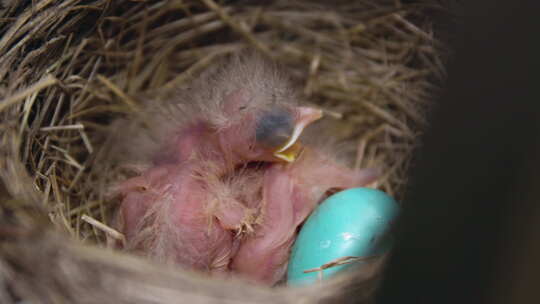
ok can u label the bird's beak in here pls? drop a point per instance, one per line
(290, 151)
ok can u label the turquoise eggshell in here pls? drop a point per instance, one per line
(352, 222)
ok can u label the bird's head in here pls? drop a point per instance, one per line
(278, 130)
(266, 133)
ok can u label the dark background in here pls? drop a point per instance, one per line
(469, 228)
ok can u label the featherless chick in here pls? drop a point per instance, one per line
(223, 178)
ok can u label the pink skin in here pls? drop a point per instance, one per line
(203, 234)
(190, 238)
(290, 194)
(182, 211)
(228, 146)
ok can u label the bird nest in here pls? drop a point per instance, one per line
(70, 68)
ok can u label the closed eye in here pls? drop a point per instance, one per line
(274, 128)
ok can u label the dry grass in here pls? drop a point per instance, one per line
(69, 68)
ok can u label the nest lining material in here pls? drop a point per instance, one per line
(69, 68)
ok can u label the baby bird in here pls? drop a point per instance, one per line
(225, 180)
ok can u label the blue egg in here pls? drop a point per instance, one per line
(352, 222)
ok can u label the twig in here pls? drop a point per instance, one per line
(115, 234)
(340, 261)
(240, 28)
(116, 90)
(60, 128)
(48, 81)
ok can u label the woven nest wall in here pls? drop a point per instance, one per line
(68, 69)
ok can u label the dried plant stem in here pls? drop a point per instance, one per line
(48, 81)
(68, 69)
(108, 230)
